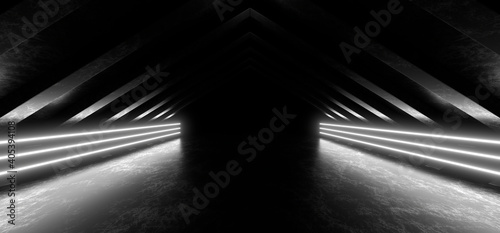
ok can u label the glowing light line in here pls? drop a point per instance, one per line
(418, 155)
(419, 144)
(89, 133)
(88, 153)
(469, 139)
(91, 143)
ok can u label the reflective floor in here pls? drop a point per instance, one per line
(293, 185)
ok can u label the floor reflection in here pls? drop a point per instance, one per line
(374, 193)
(297, 184)
(119, 195)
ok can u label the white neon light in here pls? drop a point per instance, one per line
(89, 133)
(419, 144)
(89, 153)
(91, 143)
(486, 141)
(418, 155)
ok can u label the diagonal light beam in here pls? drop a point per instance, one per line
(338, 114)
(436, 88)
(328, 115)
(141, 79)
(136, 104)
(364, 105)
(161, 114)
(150, 110)
(348, 109)
(388, 97)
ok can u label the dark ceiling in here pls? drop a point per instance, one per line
(224, 65)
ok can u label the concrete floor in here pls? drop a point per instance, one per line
(293, 185)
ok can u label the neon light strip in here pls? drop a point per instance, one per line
(89, 153)
(94, 142)
(89, 133)
(418, 155)
(486, 141)
(419, 144)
